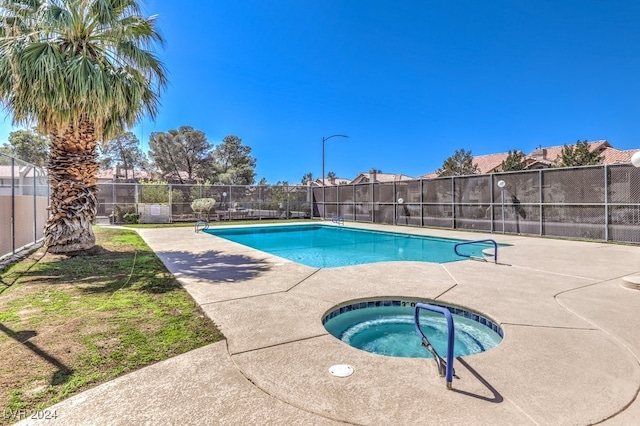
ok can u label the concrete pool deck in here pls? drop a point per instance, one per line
(570, 354)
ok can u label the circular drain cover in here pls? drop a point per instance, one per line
(341, 370)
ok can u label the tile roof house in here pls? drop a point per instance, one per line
(542, 158)
(490, 163)
(615, 156)
(118, 174)
(20, 171)
(331, 181)
(373, 176)
(545, 157)
(22, 178)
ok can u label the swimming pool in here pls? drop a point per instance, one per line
(322, 246)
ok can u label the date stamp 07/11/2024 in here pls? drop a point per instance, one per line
(21, 414)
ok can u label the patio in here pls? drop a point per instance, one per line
(570, 354)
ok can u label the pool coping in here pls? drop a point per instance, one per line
(372, 303)
(562, 304)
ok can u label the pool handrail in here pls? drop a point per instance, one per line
(448, 364)
(338, 220)
(203, 223)
(488, 240)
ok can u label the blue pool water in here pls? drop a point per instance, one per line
(322, 246)
(390, 331)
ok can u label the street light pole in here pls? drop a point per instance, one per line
(323, 181)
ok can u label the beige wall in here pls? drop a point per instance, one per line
(24, 223)
(5, 225)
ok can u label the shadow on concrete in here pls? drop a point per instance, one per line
(497, 398)
(60, 376)
(214, 266)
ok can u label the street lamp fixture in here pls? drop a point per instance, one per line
(323, 182)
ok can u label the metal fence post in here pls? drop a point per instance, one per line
(136, 198)
(373, 200)
(353, 197)
(541, 201)
(421, 202)
(113, 203)
(310, 199)
(394, 202)
(606, 204)
(337, 200)
(453, 202)
(13, 206)
(35, 210)
(493, 213)
(170, 203)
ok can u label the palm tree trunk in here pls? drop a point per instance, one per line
(73, 171)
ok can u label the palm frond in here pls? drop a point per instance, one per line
(65, 61)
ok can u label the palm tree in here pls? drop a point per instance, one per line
(82, 72)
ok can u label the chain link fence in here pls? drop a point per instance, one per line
(144, 202)
(591, 203)
(24, 196)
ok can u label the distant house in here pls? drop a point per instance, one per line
(22, 178)
(490, 163)
(373, 176)
(542, 158)
(119, 174)
(333, 181)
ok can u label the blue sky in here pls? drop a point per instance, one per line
(409, 81)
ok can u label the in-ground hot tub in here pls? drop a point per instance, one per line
(387, 327)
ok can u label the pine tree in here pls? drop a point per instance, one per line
(515, 161)
(578, 155)
(27, 145)
(459, 164)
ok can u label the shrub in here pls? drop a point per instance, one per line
(157, 192)
(202, 206)
(131, 218)
(122, 211)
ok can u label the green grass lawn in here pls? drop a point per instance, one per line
(70, 323)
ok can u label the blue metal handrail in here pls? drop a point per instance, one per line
(203, 223)
(450, 339)
(495, 248)
(338, 219)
